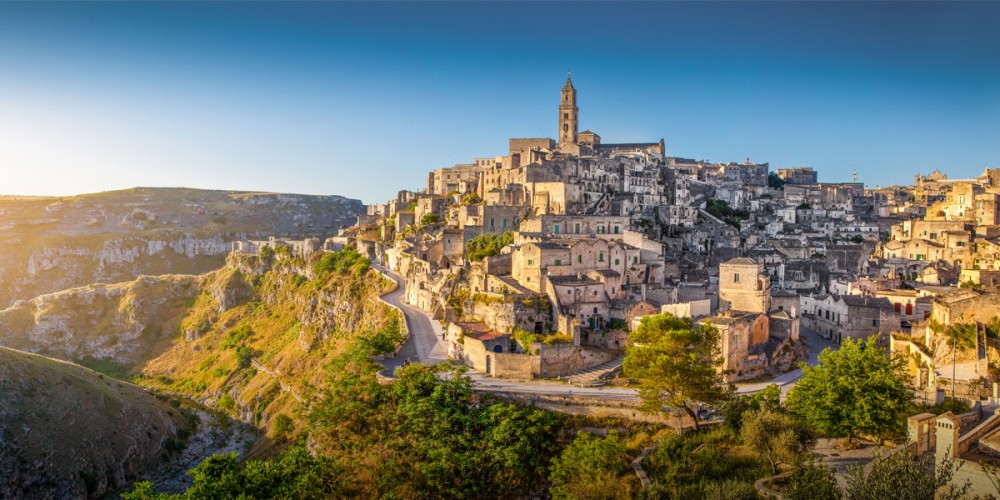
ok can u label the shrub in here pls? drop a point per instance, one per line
(283, 425)
(487, 245)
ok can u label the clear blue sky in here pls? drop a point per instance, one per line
(363, 99)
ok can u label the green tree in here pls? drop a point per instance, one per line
(430, 218)
(775, 437)
(676, 365)
(487, 245)
(903, 477)
(734, 409)
(775, 182)
(590, 467)
(812, 481)
(854, 390)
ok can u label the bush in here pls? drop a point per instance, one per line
(590, 468)
(244, 355)
(344, 261)
(721, 210)
(487, 245)
(283, 425)
(431, 218)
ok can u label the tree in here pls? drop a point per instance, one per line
(774, 436)
(740, 405)
(854, 390)
(903, 477)
(590, 468)
(676, 365)
(775, 182)
(430, 218)
(812, 481)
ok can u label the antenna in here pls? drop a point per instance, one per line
(854, 176)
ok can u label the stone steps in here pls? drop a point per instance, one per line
(595, 376)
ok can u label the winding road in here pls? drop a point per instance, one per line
(425, 345)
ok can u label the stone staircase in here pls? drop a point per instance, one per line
(595, 376)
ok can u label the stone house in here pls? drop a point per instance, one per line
(744, 286)
(850, 316)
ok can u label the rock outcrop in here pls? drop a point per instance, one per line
(52, 244)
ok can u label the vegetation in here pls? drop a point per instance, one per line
(674, 364)
(487, 245)
(430, 218)
(904, 477)
(854, 390)
(776, 437)
(700, 464)
(721, 210)
(775, 182)
(344, 261)
(591, 467)
(812, 481)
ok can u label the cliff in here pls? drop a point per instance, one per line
(121, 324)
(69, 432)
(52, 244)
(263, 328)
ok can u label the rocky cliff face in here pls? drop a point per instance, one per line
(125, 323)
(52, 244)
(68, 432)
(250, 338)
(261, 333)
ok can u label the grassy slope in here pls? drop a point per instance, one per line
(288, 325)
(66, 431)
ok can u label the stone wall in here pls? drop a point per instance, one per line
(562, 359)
(519, 366)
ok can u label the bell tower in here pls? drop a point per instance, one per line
(568, 124)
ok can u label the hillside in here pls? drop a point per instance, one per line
(250, 338)
(51, 244)
(69, 432)
(263, 329)
(111, 327)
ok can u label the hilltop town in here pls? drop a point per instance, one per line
(539, 262)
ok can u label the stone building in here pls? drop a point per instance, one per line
(804, 175)
(744, 286)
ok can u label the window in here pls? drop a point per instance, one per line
(577, 228)
(595, 310)
(579, 259)
(612, 290)
(555, 228)
(736, 277)
(635, 260)
(504, 223)
(600, 257)
(558, 262)
(531, 262)
(616, 229)
(616, 262)
(874, 322)
(565, 116)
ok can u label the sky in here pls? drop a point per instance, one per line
(363, 99)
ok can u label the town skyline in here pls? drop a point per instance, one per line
(294, 99)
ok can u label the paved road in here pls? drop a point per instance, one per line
(425, 345)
